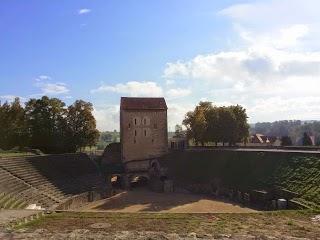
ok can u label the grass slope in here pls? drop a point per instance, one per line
(277, 225)
(249, 170)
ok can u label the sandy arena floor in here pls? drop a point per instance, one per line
(141, 200)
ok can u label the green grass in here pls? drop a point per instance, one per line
(279, 223)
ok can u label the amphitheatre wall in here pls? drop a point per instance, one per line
(226, 173)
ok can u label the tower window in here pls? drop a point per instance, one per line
(135, 121)
(145, 132)
(134, 141)
(135, 132)
(144, 121)
(129, 125)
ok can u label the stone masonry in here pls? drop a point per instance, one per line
(143, 127)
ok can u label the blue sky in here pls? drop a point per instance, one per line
(261, 54)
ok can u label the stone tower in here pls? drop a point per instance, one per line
(143, 129)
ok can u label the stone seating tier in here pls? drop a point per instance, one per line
(45, 180)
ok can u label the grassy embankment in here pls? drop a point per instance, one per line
(295, 172)
(276, 224)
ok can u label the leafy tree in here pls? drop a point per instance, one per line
(242, 126)
(81, 125)
(195, 122)
(286, 141)
(46, 123)
(214, 132)
(306, 140)
(228, 126)
(13, 131)
(178, 131)
(208, 123)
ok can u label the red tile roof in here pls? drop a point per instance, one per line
(134, 103)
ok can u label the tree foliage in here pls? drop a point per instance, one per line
(47, 124)
(286, 141)
(208, 123)
(293, 128)
(306, 140)
(13, 125)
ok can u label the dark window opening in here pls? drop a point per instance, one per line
(135, 132)
(134, 141)
(145, 121)
(152, 140)
(129, 125)
(135, 121)
(145, 132)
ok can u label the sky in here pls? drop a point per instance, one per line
(263, 55)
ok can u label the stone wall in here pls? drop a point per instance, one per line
(227, 172)
(143, 134)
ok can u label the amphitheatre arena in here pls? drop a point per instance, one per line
(70, 195)
(143, 189)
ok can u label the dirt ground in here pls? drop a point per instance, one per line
(142, 200)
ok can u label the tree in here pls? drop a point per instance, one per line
(242, 126)
(214, 133)
(178, 131)
(208, 123)
(46, 124)
(286, 141)
(306, 140)
(13, 131)
(81, 125)
(227, 126)
(195, 122)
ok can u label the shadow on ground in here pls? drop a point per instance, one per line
(143, 200)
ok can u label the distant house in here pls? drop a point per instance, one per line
(299, 141)
(259, 138)
(178, 142)
(263, 140)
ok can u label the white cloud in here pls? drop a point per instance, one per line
(177, 93)
(53, 88)
(107, 117)
(49, 88)
(10, 98)
(84, 11)
(271, 13)
(274, 69)
(176, 113)
(42, 78)
(132, 89)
